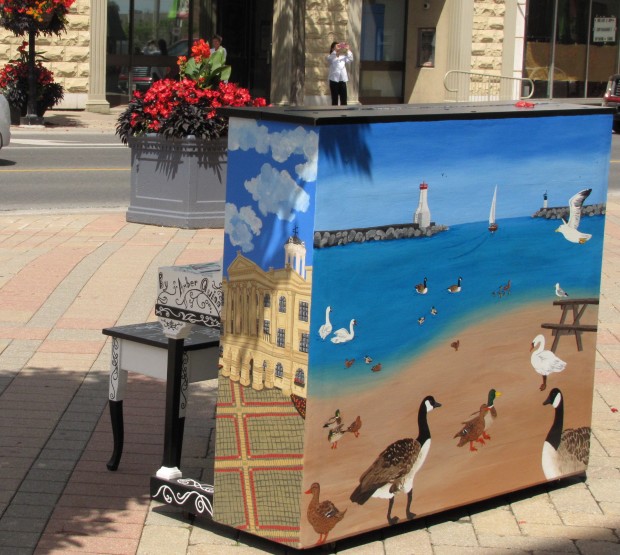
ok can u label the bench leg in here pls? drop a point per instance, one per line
(174, 424)
(117, 386)
(118, 432)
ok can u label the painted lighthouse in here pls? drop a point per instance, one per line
(422, 215)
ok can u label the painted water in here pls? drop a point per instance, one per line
(501, 271)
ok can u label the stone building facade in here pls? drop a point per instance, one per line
(68, 56)
(469, 36)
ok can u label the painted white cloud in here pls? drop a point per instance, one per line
(307, 171)
(247, 134)
(277, 193)
(241, 226)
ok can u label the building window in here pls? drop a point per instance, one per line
(266, 327)
(303, 311)
(303, 343)
(267, 300)
(279, 371)
(571, 48)
(280, 342)
(282, 304)
(300, 378)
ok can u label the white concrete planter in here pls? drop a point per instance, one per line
(178, 182)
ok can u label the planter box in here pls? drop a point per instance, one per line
(177, 182)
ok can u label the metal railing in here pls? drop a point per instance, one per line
(468, 86)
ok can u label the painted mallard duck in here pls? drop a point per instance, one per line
(322, 515)
(564, 451)
(394, 470)
(335, 421)
(335, 435)
(472, 430)
(491, 414)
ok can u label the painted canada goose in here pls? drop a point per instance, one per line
(322, 515)
(421, 320)
(544, 362)
(472, 430)
(326, 328)
(433, 311)
(564, 451)
(394, 470)
(570, 229)
(422, 288)
(456, 288)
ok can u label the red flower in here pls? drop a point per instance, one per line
(187, 105)
(201, 49)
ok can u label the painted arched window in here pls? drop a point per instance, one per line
(300, 378)
(279, 370)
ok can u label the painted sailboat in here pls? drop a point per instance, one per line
(492, 225)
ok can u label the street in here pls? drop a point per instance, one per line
(92, 170)
(60, 170)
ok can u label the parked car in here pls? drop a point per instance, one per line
(611, 98)
(5, 122)
(142, 77)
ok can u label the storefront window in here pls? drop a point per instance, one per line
(571, 47)
(145, 37)
(382, 51)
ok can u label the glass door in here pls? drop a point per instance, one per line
(382, 51)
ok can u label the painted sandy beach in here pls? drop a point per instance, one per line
(492, 354)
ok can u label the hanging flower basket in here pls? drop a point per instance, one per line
(47, 17)
(14, 85)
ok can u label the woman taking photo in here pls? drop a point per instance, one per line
(339, 56)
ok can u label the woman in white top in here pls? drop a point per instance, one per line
(339, 56)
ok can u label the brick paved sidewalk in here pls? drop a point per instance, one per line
(63, 277)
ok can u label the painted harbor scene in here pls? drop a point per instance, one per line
(455, 271)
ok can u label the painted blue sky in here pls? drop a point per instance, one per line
(461, 161)
(283, 176)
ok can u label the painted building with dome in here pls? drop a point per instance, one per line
(265, 329)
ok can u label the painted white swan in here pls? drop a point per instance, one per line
(343, 335)
(570, 229)
(545, 362)
(326, 328)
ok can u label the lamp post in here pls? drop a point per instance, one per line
(31, 117)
